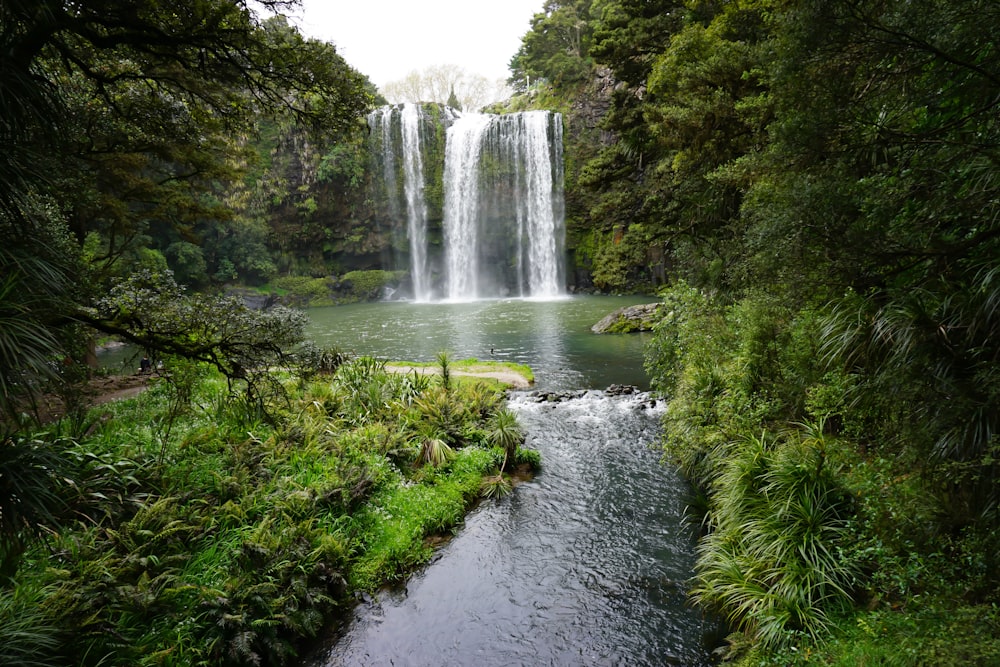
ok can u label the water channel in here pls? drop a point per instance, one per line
(587, 563)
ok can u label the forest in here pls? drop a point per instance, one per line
(811, 187)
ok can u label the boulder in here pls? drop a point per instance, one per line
(641, 317)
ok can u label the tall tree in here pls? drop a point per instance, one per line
(882, 181)
(557, 48)
(117, 115)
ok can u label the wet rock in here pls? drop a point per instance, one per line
(621, 390)
(554, 396)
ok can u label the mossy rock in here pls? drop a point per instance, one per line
(630, 319)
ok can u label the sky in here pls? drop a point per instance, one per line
(388, 39)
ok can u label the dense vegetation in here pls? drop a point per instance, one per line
(812, 185)
(199, 530)
(228, 513)
(816, 184)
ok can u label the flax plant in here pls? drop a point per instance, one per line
(771, 562)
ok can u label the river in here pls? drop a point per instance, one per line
(587, 563)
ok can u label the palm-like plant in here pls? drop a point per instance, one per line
(31, 474)
(496, 486)
(770, 562)
(505, 432)
(31, 289)
(435, 451)
(933, 350)
(444, 362)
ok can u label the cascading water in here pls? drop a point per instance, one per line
(400, 126)
(461, 197)
(541, 213)
(499, 231)
(503, 206)
(416, 207)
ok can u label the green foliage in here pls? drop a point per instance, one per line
(123, 127)
(614, 257)
(304, 291)
(728, 371)
(28, 636)
(556, 48)
(496, 486)
(369, 285)
(940, 631)
(34, 484)
(772, 562)
(444, 362)
(153, 311)
(505, 432)
(394, 526)
(36, 275)
(226, 541)
(436, 452)
(529, 457)
(312, 360)
(346, 163)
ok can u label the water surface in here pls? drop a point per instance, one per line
(587, 563)
(553, 337)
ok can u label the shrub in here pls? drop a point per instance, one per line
(772, 563)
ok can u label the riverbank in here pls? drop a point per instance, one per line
(196, 527)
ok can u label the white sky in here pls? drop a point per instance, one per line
(388, 39)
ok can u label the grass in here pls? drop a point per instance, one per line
(473, 365)
(937, 630)
(230, 541)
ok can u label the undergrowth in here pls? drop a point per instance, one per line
(227, 539)
(834, 532)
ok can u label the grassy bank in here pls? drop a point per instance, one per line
(198, 531)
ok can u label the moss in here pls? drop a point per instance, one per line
(367, 285)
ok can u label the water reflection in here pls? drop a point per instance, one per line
(553, 337)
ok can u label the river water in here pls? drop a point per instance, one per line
(587, 563)
(551, 336)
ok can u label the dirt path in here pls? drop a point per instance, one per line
(50, 407)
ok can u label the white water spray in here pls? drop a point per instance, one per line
(416, 206)
(502, 212)
(503, 207)
(461, 204)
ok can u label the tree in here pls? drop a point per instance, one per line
(154, 312)
(440, 83)
(708, 110)
(557, 48)
(905, 133)
(117, 117)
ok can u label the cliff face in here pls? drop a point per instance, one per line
(335, 208)
(314, 200)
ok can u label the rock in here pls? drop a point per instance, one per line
(629, 319)
(621, 390)
(554, 396)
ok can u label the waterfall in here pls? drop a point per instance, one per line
(540, 215)
(399, 127)
(461, 204)
(503, 206)
(495, 228)
(416, 207)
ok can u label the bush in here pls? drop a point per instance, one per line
(237, 540)
(368, 285)
(772, 562)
